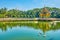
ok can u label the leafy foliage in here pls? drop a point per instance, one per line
(14, 13)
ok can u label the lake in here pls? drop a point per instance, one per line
(30, 30)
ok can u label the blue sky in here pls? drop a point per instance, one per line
(28, 4)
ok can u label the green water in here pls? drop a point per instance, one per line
(30, 30)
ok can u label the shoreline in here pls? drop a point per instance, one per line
(29, 19)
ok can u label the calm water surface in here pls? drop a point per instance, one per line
(30, 30)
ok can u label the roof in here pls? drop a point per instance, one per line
(45, 10)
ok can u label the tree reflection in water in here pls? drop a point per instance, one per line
(44, 26)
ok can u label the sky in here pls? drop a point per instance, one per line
(28, 4)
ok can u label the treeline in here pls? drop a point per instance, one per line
(34, 13)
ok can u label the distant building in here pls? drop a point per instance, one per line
(44, 13)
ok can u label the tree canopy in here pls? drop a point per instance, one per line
(34, 13)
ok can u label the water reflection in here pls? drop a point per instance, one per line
(13, 28)
(44, 26)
